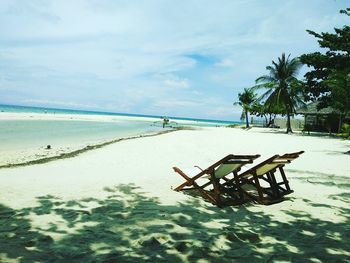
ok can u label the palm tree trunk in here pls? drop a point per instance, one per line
(246, 119)
(270, 120)
(289, 127)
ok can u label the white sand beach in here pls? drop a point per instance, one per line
(116, 204)
(111, 110)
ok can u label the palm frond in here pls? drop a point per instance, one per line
(283, 90)
(264, 78)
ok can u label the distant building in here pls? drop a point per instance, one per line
(322, 120)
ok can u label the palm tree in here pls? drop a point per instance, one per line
(260, 109)
(284, 90)
(245, 100)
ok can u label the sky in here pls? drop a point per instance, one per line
(184, 58)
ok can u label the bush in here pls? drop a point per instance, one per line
(345, 131)
(234, 125)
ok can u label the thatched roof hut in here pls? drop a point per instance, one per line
(325, 119)
(311, 109)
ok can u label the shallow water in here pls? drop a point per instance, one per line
(24, 140)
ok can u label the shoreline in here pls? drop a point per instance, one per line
(14, 154)
(45, 156)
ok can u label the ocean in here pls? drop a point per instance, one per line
(23, 141)
(16, 108)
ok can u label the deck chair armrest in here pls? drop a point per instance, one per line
(281, 161)
(234, 159)
(292, 155)
(190, 179)
(238, 161)
(176, 169)
(247, 157)
(213, 166)
(199, 168)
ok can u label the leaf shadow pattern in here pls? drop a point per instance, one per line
(130, 226)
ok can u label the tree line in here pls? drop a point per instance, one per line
(327, 81)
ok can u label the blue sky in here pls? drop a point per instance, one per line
(161, 57)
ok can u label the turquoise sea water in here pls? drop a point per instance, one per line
(15, 108)
(21, 134)
(25, 140)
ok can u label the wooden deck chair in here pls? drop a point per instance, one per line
(281, 188)
(249, 181)
(207, 181)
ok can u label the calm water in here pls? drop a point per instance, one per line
(39, 133)
(14, 108)
(24, 140)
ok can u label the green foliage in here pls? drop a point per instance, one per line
(268, 112)
(259, 109)
(283, 90)
(328, 80)
(246, 100)
(243, 116)
(233, 126)
(345, 131)
(339, 83)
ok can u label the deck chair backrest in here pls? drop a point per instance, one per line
(287, 158)
(290, 156)
(277, 162)
(272, 163)
(269, 167)
(225, 169)
(266, 168)
(233, 164)
(262, 167)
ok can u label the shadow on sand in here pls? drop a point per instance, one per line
(129, 226)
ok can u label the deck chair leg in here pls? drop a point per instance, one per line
(286, 183)
(274, 185)
(216, 189)
(188, 181)
(258, 188)
(207, 196)
(268, 179)
(238, 187)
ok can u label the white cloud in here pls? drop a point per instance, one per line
(177, 83)
(59, 103)
(175, 103)
(134, 56)
(226, 63)
(222, 112)
(174, 81)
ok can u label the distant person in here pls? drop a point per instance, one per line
(165, 121)
(271, 123)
